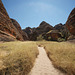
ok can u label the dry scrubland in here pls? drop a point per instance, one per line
(62, 55)
(17, 58)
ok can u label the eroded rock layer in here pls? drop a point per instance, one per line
(71, 22)
(6, 25)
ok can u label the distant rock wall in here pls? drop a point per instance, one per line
(33, 33)
(10, 29)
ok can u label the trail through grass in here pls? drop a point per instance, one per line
(62, 55)
(17, 58)
(43, 66)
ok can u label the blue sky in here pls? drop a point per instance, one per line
(32, 12)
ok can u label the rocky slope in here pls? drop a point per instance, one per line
(63, 30)
(31, 32)
(43, 28)
(10, 29)
(7, 29)
(71, 22)
(18, 27)
(42, 31)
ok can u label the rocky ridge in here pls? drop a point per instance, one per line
(7, 27)
(10, 29)
(18, 27)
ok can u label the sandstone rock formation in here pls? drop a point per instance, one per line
(32, 34)
(28, 30)
(60, 27)
(23, 34)
(6, 37)
(7, 29)
(53, 35)
(63, 30)
(71, 22)
(43, 28)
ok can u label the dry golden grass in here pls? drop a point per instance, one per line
(62, 55)
(17, 58)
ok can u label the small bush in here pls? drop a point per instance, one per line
(60, 39)
(49, 38)
(40, 38)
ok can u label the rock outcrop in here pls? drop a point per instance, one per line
(7, 29)
(28, 30)
(23, 34)
(43, 28)
(31, 32)
(63, 30)
(53, 35)
(60, 27)
(71, 22)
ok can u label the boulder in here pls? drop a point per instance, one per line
(63, 30)
(53, 35)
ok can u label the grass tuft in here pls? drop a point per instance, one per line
(62, 55)
(19, 57)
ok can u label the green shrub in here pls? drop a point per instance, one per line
(49, 38)
(40, 38)
(60, 39)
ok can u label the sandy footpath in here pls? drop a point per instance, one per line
(43, 65)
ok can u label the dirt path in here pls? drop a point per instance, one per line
(43, 65)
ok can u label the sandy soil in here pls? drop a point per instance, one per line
(43, 65)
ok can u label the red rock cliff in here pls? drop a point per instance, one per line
(6, 25)
(18, 27)
(71, 22)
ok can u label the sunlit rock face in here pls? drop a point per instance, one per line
(18, 27)
(7, 29)
(71, 22)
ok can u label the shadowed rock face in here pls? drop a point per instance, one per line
(6, 25)
(28, 30)
(43, 28)
(71, 22)
(23, 34)
(60, 27)
(32, 34)
(63, 30)
(54, 34)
